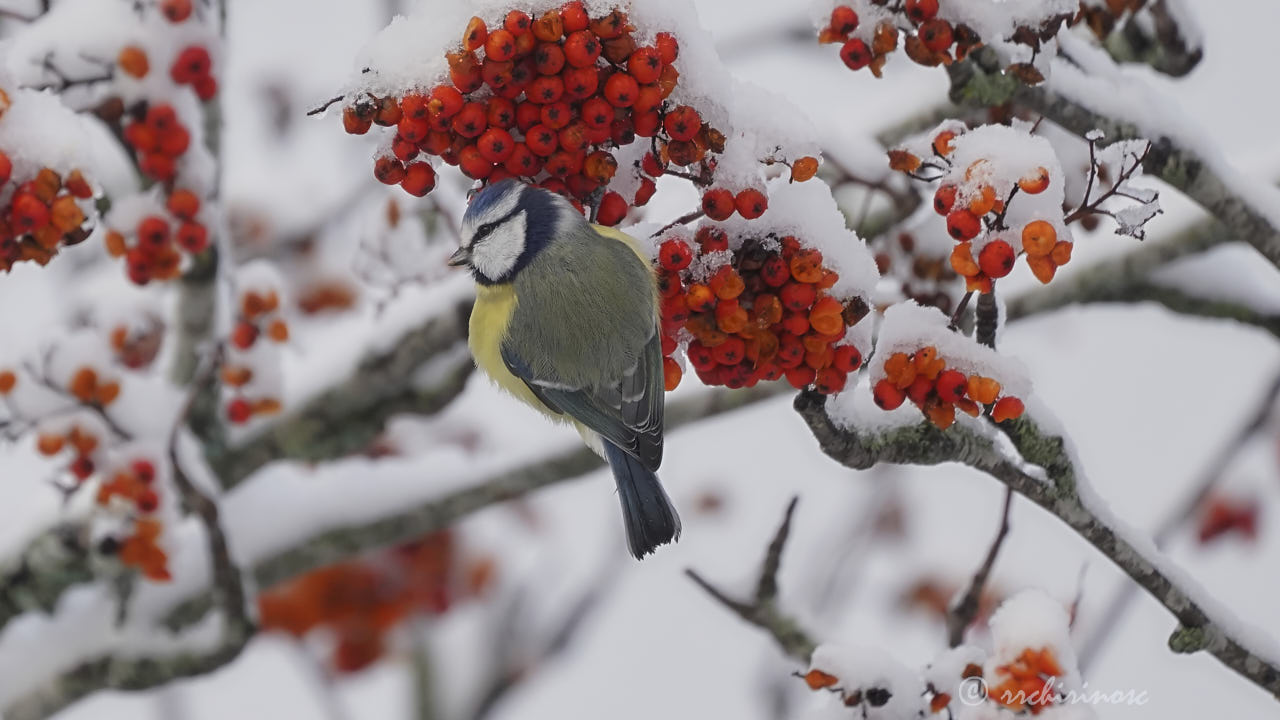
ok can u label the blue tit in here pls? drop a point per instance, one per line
(566, 320)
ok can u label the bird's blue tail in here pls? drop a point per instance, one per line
(650, 518)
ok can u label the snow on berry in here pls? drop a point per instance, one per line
(572, 100)
(759, 299)
(921, 360)
(935, 32)
(252, 372)
(1032, 659)
(867, 676)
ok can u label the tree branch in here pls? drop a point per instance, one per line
(763, 611)
(965, 608)
(1061, 492)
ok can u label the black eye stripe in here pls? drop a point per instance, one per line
(484, 230)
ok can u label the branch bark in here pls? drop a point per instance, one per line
(1063, 493)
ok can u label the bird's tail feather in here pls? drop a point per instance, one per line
(650, 518)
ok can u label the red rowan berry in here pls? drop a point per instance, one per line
(175, 141)
(206, 86)
(855, 54)
(574, 16)
(798, 296)
(962, 224)
(239, 411)
(675, 254)
(936, 35)
(718, 203)
(582, 49)
(419, 179)
(192, 63)
(729, 352)
(580, 83)
(500, 45)
(175, 10)
(27, 213)
(473, 164)
(682, 123)
(944, 199)
(801, 376)
(996, 259)
(473, 38)
(613, 208)
(621, 90)
(671, 374)
(144, 471)
(556, 115)
(6, 168)
(644, 192)
(751, 203)
(1007, 408)
(192, 237)
(645, 65)
(921, 10)
(7, 382)
(847, 359)
(153, 232)
(244, 335)
(951, 386)
(830, 381)
(1035, 182)
(82, 468)
(495, 145)
(573, 137)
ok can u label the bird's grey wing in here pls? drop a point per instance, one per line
(626, 411)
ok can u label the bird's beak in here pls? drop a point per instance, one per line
(460, 257)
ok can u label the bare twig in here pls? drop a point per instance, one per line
(763, 611)
(325, 105)
(963, 611)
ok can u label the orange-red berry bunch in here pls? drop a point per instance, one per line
(259, 317)
(135, 484)
(159, 138)
(90, 389)
(161, 238)
(1028, 683)
(929, 39)
(362, 600)
(924, 378)
(193, 66)
(977, 196)
(83, 444)
(547, 99)
(765, 313)
(43, 213)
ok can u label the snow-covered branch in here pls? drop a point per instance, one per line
(1065, 493)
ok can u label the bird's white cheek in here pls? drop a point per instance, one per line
(497, 254)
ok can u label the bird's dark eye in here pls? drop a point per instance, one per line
(483, 231)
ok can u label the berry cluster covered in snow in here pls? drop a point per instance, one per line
(940, 32)
(755, 300)
(251, 368)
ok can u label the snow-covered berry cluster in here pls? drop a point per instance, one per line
(41, 211)
(250, 369)
(360, 602)
(548, 98)
(152, 236)
(1001, 191)
(940, 32)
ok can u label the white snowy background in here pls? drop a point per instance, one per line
(1147, 396)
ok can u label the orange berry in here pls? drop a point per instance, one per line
(278, 331)
(1038, 238)
(903, 161)
(7, 381)
(806, 265)
(983, 390)
(942, 415)
(549, 27)
(727, 284)
(236, 376)
(962, 260)
(1043, 267)
(699, 298)
(1006, 409)
(731, 317)
(475, 35)
(804, 168)
(968, 407)
(996, 259)
(49, 445)
(1061, 254)
(106, 393)
(944, 199)
(65, 215)
(1035, 182)
(816, 679)
(943, 142)
(830, 380)
(936, 35)
(984, 202)
(671, 373)
(978, 283)
(827, 316)
(83, 384)
(133, 61)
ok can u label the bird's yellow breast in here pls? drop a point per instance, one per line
(490, 316)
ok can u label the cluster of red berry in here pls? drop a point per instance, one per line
(43, 213)
(975, 211)
(545, 99)
(923, 376)
(82, 442)
(259, 315)
(362, 600)
(763, 314)
(929, 39)
(193, 66)
(136, 485)
(1023, 682)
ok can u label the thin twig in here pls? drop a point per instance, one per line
(682, 220)
(325, 106)
(962, 613)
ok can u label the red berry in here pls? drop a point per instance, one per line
(556, 115)
(82, 468)
(644, 192)
(6, 168)
(801, 377)
(645, 65)
(581, 49)
(175, 10)
(996, 259)
(682, 123)
(192, 63)
(471, 120)
(944, 199)
(712, 239)
(500, 45)
(239, 411)
(144, 471)
(175, 141)
(855, 54)
(675, 254)
(495, 145)
(27, 213)
(751, 203)
(522, 162)
(184, 204)
(244, 335)
(206, 86)
(621, 90)
(153, 233)
(830, 380)
(613, 208)
(887, 395)
(574, 16)
(1007, 408)
(668, 47)
(147, 501)
(548, 59)
(847, 359)
(388, 170)
(919, 389)
(730, 352)
(419, 179)
(962, 224)
(798, 296)
(718, 203)
(951, 385)
(921, 10)
(542, 140)
(192, 237)
(936, 35)
(843, 20)
(473, 164)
